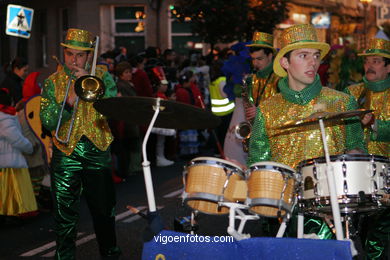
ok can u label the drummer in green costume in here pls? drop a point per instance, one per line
(302, 94)
(83, 164)
(374, 93)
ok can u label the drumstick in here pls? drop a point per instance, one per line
(219, 146)
(136, 211)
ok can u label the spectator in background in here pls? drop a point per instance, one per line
(158, 79)
(122, 55)
(140, 79)
(170, 68)
(16, 72)
(16, 192)
(221, 106)
(107, 59)
(188, 93)
(127, 143)
(36, 161)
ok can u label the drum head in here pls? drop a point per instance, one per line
(275, 165)
(219, 161)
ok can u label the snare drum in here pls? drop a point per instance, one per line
(209, 180)
(271, 189)
(361, 180)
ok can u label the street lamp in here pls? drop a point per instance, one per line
(365, 5)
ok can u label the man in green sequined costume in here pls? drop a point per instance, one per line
(302, 94)
(374, 93)
(262, 84)
(81, 165)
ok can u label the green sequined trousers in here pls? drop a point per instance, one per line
(86, 171)
(378, 235)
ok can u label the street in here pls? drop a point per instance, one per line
(35, 239)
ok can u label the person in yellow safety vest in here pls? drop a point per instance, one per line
(220, 104)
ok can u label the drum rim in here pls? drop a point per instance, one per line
(195, 196)
(344, 157)
(218, 161)
(287, 168)
(313, 204)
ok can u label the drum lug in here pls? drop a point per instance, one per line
(373, 169)
(315, 172)
(375, 186)
(344, 169)
(345, 187)
(316, 189)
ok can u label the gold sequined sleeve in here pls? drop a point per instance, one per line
(259, 148)
(50, 109)
(354, 131)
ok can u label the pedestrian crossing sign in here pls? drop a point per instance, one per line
(19, 21)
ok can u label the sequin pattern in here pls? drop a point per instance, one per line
(88, 121)
(258, 84)
(291, 146)
(379, 102)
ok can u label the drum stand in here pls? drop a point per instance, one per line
(236, 208)
(236, 212)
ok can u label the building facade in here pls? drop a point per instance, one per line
(137, 24)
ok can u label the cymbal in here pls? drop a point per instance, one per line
(315, 117)
(139, 111)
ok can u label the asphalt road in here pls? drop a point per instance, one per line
(35, 238)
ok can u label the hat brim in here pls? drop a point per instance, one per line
(322, 46)
(375, 54)
(261, 46)
(76, 47)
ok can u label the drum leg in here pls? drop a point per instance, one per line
(300, 225)
(282, 228)
(192, 222)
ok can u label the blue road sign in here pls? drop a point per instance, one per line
(19, 21)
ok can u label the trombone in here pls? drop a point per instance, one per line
(88, 88)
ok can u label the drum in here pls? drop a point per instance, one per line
(361, 180)
(271, 189)
(209, 180)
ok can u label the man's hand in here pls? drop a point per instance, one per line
(79, 72)
(250, 113)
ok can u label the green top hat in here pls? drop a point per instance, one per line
(298, 37)
(79, 39)
(377, 47)
(261, 39)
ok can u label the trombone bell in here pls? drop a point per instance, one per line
(89, 88)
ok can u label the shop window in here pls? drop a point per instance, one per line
(129, 27)
(182, 39)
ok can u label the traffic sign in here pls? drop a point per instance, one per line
(19, 21)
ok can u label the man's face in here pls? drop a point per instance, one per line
(302, 66)
(375, 69)
(260, 60)
(75, 58)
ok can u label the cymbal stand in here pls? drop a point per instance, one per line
(146, 163)
(332, 186)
